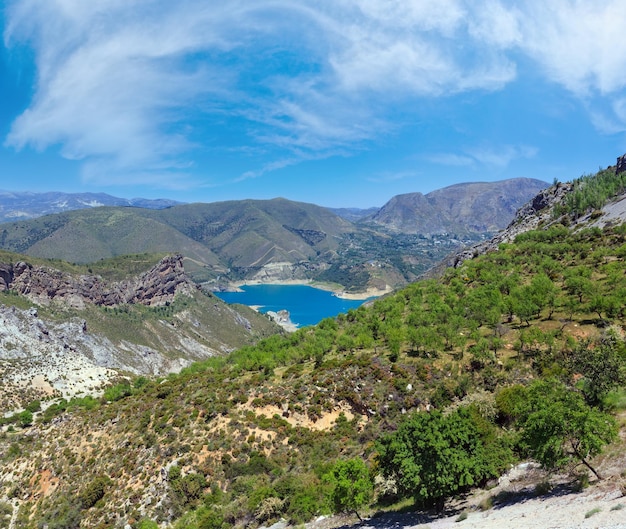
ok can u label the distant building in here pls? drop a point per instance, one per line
(621, 164)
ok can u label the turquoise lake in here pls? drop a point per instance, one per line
(306, 305)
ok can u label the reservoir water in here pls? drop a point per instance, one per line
(306, 305)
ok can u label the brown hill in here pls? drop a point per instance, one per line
(462, 208)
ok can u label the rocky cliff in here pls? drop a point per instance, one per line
(74, 334)
(536, 212)
(43, 285)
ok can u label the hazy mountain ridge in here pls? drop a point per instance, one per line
(477, 207)
(15, 205)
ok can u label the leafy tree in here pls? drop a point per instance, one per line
(604, 303)
(522, 304)
(485, 305)
(543, 293)
(480, 353)
(558, 426)
(579, 284)
(352, 487)
(602, 366)
(432, 456)
(394, 336)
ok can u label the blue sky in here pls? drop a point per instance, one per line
(335, 102)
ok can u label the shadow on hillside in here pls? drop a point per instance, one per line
(393, 520)
(502, 499)
(507, 498)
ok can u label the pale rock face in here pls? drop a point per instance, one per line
(41, 358)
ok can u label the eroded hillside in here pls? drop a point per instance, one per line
(67, 333)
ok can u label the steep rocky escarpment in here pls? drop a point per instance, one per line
(535, 213)
(42, 285)
(64, 334)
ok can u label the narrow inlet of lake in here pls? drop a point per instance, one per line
(306, 305)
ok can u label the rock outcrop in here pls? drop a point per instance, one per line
(43, 285)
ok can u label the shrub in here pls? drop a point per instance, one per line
(94, 492)
(26, 418)
(590, 513)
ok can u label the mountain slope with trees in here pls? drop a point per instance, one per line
(519, 353)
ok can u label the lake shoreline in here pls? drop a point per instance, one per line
(296, 302)
(357, 296)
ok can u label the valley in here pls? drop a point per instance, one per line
(279, 240)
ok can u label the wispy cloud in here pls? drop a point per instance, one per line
(132, 88)
(451, 159)
(392, 176)
(579, 44)
(486, 156)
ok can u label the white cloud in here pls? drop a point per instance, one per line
(132, 87)
(496, 24)
(415, 48)
(501, 156)
(579, 44)
(387, 177)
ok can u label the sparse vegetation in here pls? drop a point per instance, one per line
(433, 390)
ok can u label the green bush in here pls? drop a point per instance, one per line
(352, 486)
(433, 456)
(94, 492)
(147, 524)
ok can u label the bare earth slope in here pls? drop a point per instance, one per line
(65, 334)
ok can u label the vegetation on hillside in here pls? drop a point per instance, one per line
(591, 192)
(422, 395)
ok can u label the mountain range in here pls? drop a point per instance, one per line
(27, 205)
(278, 240)
(477, 207)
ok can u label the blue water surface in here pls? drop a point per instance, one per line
(306, 305)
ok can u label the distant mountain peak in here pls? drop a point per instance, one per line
(24, 205)
(477, 207)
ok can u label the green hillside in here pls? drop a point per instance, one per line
(519, 353)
